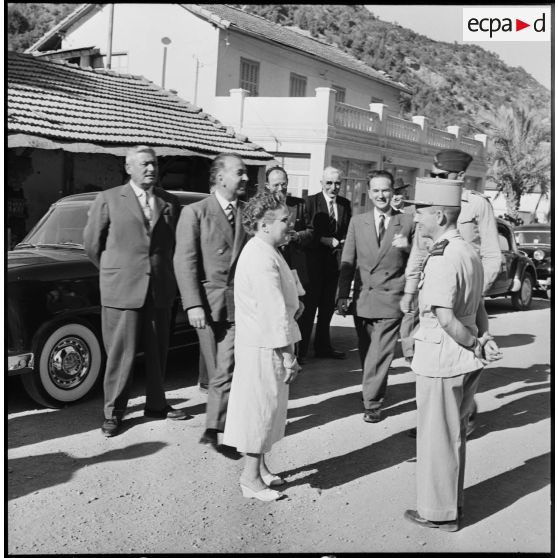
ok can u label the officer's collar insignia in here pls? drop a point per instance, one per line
(438, 248)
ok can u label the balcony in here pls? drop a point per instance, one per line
(288, 120)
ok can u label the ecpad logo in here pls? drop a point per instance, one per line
(507, 24)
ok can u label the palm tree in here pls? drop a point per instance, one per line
(518, 152)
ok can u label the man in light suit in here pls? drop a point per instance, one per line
(376, 248)
(329, 215)
(209, 239)
(129, 236)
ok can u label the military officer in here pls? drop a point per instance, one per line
(452, 345)
(476, 224)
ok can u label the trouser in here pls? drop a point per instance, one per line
(122, 331)
(443, 408)
(217, 350)
(320, 297)
(377, 339)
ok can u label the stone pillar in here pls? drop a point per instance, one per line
(382, 111)
(237, 113)
(325, 98)
(482, 138)
(424, 123)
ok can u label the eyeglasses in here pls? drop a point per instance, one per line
(331, 182)
(439, 174)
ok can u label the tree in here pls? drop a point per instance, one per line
(518, 152)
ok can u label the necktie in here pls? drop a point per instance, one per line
(230, 214)
(381, 229)
(147, 211)
(331, 212)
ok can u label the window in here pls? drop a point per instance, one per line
(298, 86)
(339, 93)
(376, 99)
(249, 76)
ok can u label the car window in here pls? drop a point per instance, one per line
(532, 237)
(63, 225)
(504, 237)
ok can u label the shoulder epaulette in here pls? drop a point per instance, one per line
(438, 248)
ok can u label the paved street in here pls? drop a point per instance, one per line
(155, 489)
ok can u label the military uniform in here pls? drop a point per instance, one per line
(447, 373)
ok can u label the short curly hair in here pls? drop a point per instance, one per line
(256, 208)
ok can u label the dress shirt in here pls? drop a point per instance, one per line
(140, 193)
(224, 203)
(377, 220)
(328, 201)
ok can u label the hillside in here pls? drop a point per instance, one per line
(451, 83)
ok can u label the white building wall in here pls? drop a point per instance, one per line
(277, 63)
(138, 30)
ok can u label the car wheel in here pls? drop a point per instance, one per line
(521, 300)
(68, 364)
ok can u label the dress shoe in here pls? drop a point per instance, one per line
(414, 517)
(111, 427)
(372, 415)
(265, 495)
(331, 354)
(272, 480)
(167, 413)
(209, 438)
(228, 451)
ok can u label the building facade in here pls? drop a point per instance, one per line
(303, 100)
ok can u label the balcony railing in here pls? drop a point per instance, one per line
(402, 129)
(354, 118)
(438, 138)
(471, 146)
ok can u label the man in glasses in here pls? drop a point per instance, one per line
(329, 215)
(277, 180)
(476, 224)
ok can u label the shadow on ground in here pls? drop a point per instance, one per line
(37, 472)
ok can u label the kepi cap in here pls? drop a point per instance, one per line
(437, 191)
(452, 160)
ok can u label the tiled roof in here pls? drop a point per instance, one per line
(231, 18)
(65, 102)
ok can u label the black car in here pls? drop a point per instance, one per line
(53, 307)
(517, 272)
(534, 240)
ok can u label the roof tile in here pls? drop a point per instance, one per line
(63, 101)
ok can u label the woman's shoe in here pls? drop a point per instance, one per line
(265, 495)
(272, 480)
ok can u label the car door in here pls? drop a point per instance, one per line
(505, 278)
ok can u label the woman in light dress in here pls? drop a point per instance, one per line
(266, 308)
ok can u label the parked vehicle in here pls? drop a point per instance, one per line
(517, 272)
(534, 240)
(53, 307)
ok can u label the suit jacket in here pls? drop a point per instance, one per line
(294, 252)
(206, 255)
(322, 258)
(380, 270)
(130, 257)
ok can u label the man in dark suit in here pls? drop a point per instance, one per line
(129, 236)
(377, 248)
(277, 180)
(209, 239)
(329, 215)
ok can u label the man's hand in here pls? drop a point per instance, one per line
(329, 241)
(342, 306)
(300, 310)
(491, 351)
(292, 372)
(400, 241)
(406, 303)
(196, 317)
